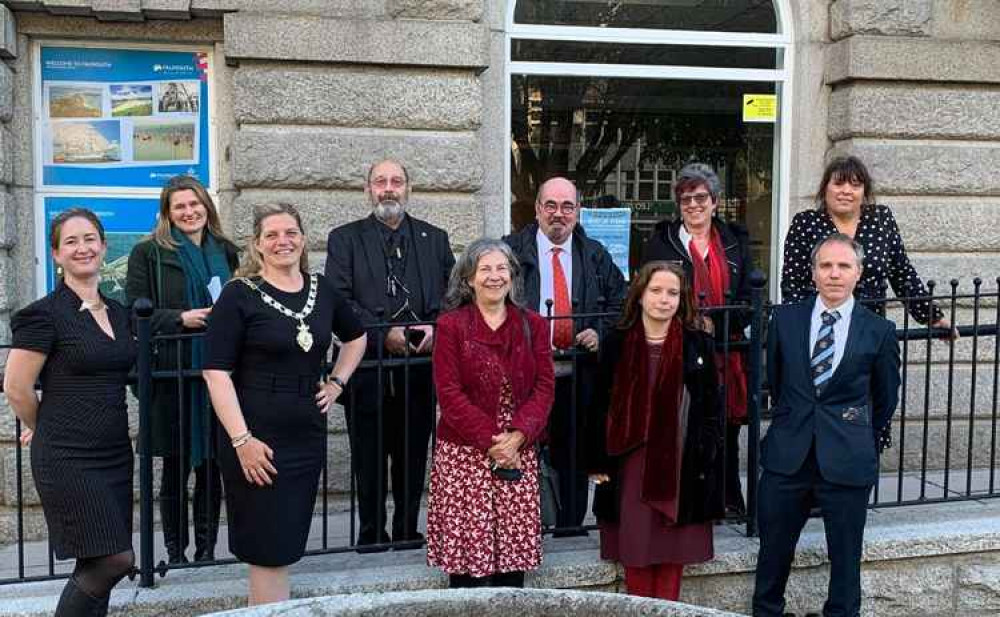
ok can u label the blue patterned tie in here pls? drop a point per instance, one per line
(822, 355)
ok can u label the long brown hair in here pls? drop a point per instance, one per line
(253, 262)
(632, 310)
(161, 232)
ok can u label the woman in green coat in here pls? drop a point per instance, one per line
(176, 268)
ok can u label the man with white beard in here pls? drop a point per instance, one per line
(391, 268)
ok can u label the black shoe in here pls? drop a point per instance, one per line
(204, 553)
(408, 542)
(77, 602)
(365, 543)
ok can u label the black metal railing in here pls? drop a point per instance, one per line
(945, 428)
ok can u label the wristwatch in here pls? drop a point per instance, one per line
(340, 382)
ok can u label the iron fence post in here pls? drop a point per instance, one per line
(144, 374)
(758, 282)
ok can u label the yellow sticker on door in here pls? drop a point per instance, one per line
(760, 107)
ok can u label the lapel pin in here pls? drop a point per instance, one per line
(700, 361)
(423, 234)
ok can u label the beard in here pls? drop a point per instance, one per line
(389, 210)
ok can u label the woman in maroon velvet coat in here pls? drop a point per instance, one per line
(657, 461)
(494, 378)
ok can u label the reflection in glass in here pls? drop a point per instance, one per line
(528, 50)
(622, 140)
(710, 15)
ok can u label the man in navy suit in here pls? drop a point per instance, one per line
(833, 369)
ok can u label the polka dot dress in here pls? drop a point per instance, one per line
(885, 259)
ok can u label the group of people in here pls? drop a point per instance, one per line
(619, 384)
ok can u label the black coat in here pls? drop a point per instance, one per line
(665, 245)
(355, 265)
(598, 284)
(156, 273)
(702, 468)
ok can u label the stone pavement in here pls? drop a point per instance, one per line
(920, 561)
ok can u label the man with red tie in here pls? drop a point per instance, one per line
(565, 272)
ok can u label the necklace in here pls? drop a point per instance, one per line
(96, 305)
(304, 338)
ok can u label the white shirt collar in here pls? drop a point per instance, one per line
(545, 245)
(844, 309)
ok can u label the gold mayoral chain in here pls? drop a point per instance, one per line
(304, 338)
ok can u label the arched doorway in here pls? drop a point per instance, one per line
(617, 95)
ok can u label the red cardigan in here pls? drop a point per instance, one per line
(469, 362)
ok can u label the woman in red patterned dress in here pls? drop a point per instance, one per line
(658, 460)
(494, 378)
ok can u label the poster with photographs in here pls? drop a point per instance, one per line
(122, 118)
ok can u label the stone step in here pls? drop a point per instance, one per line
(918, 562)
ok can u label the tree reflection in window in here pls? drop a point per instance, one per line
(708, 15)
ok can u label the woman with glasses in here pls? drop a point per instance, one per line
(716, 259)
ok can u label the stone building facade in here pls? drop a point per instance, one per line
(309, 92)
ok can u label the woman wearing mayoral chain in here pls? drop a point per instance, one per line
(266, 342)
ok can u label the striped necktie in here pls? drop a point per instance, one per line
(822, 355)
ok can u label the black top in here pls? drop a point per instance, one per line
(83, 363)
(244, 334)
(402, 289)
(885, 259)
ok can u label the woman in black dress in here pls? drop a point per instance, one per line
(79, 344)
(845, 203)
(174, 268)
(267, 338)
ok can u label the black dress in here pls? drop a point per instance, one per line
(885, 260)
(276, 383)
(81, 455)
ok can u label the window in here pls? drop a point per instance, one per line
(618, 95)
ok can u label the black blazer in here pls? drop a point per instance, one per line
(665, 245)
(855, 406)
(598, 284)
(703, 466)
(355, 265)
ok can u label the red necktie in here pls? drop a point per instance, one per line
(562, 329)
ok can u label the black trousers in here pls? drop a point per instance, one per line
(564, 438)
(207, 504)
(734, 487)
(782, 509)
(407, 419)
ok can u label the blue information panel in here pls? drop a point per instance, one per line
(126, 221)
(122, 118)
(611, 227)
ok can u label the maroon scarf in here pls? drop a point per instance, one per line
(643, 415)
(711, 280)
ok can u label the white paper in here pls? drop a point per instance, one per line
(214, 288)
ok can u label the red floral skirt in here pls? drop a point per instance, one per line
(477, 523)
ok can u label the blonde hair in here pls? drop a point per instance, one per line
(253, 262)
(161, 232)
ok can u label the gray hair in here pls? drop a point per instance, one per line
(693, 174)
(459, 291)
(838, 238)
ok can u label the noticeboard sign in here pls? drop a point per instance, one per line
(121, 118)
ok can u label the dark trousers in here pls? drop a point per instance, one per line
(174, 506)
(782, 509)
(564, 438)
(734, 487)
(405, 434)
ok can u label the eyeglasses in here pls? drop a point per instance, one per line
(699, 198)
(551, 207)
(395, 183)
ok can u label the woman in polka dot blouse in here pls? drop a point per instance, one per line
(845, 203)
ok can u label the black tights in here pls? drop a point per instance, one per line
(88, 590)
(500, 579)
